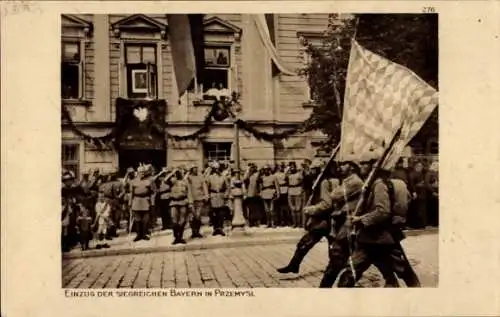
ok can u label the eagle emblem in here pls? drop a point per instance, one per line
(141, 113)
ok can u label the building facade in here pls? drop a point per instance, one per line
(106, 57)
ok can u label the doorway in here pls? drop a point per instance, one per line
(132, 158)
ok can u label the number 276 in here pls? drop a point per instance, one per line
(429, 10)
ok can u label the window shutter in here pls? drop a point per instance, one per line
(81, 71)
(122, 72)
(148, 80)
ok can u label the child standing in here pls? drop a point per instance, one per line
(102, 221)
(83, 222)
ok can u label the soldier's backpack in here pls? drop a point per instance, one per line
(399, 197)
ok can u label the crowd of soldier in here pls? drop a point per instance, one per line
(96, 205)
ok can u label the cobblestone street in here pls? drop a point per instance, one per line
(246, 266)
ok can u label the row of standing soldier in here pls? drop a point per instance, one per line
(179, 195)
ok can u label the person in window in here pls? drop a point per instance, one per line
(221, 59)
(141, 82)
(224, 93)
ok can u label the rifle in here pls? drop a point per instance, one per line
(373, 173)
(316, 183)
(364, 197)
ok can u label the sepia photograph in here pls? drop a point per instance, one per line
(238, 150)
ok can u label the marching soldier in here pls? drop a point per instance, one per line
(218, 188)
(309, 179)
(181, 201)
(375, 242)
(345, 196)
(141, 190)
(295, 194)
(269, 191)
(318, 227)
(282, 212)
(200, 197)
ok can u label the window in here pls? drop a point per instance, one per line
(70, 154)
(217, 68)
(315, 38)
(71, 71)
(217, 151)
(141, 71)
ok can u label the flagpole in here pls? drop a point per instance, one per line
(356, 22)
(318, 178)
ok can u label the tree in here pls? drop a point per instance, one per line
(407, 39)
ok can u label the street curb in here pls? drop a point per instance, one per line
(178, 248)
(260, 239)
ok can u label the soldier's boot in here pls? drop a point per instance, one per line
(328, 279)
(294, 265)
(181, 234)
(139, 232)
(195, 228)
(175, 230)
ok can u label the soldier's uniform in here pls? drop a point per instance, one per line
(342, 201)
(253, 198)
(141, 190)
(375, 242)
(164, 193)
(318, 228)
(153, 216)
(200, 197)
(118, 195)
(69, 194)
(296, 196)
(218, 188)
(269, 191)
(283, 214)
(94, 183)
(180, 200)
(345, 197)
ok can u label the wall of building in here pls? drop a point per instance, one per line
(91, 157)
(264, 99)
(294, 89)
